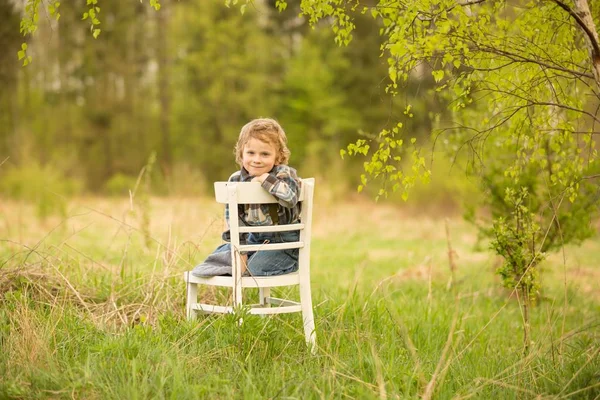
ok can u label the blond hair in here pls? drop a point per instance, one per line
(267, 130)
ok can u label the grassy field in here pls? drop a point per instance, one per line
(92, 307)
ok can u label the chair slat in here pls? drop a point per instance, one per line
(271, 228)
(271, 246)
(248, 193)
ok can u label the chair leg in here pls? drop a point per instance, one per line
(263, 293)
(192, 298)
(237, 295)
(237, 298)
(308, 319)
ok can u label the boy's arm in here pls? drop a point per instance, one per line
(283, 184)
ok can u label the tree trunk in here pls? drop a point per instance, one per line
(582, 10)
(9, 42)
(526, 322)
(163, 90)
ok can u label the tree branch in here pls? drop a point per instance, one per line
(543, 103)
(520, 58)
(422, 16)
(590, 177)
(582, 25)
(469, 2)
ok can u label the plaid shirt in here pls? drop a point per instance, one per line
(284, 184)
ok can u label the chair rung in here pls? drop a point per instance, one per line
(271, 246)
(210, 308)
(271, 228)
(281, 302)
(287, 308)
(271, 281)
(275, 310)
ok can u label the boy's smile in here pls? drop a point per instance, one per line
(258, 157)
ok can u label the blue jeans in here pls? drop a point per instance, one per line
(260, 263)
(273, 262)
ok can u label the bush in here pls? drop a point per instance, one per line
(43, 186)
(120, 185)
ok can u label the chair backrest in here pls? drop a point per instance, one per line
(252, 192)
(235, 193)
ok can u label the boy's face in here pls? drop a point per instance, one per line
(258, 157)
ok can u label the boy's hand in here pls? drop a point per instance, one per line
(260, 178)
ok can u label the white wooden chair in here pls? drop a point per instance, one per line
(234, 193)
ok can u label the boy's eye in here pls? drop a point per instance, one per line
(265, 154)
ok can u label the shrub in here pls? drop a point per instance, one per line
(43, 186)
(120, 184)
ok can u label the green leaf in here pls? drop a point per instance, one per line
(96, 33)
(281, 5)
(393, 74)
(363, 179)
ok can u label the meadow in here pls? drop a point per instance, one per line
(92, 307)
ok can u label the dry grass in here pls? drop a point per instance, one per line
(53, 259)
(100, 231)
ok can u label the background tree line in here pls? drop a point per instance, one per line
(181, 82)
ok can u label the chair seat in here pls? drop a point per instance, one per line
(246, 281)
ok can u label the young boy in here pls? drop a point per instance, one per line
(262, 153)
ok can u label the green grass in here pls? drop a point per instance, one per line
(87, 311)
